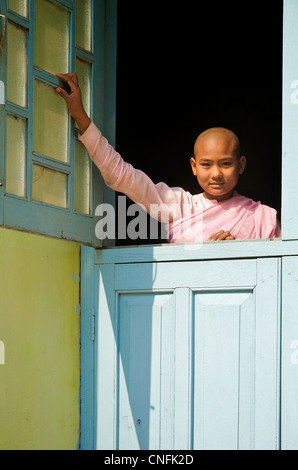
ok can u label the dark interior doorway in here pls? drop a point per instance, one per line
(185, 67)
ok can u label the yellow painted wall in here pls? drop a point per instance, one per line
(39, 326)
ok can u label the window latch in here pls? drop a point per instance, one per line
(3, 32)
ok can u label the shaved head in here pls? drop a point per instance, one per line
(218, 133)
(217, 163)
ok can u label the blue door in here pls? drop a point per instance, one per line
(188, 355)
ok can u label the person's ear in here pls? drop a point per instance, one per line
(193, 166)
(242, 165)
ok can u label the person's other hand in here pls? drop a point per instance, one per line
(222, 235)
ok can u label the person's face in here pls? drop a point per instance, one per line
(217, 167)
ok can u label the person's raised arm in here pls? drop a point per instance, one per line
(117, 174)
(74, 100)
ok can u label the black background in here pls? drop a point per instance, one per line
(183, 67)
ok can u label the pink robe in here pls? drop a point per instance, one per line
(187, 217)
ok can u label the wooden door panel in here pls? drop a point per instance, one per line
(194, 354)
(289, 378)
(200, 274)
(224, 369)
(146, 380)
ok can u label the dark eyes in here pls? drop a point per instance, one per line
(227, 164)
(224, 164)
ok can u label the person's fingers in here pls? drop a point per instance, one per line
(74, 78)
(67, 76)
(63, 93)
(222, 235)
(215, 237)
(70, 78)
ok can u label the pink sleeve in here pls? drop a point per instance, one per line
(269, 226)
(122, 177)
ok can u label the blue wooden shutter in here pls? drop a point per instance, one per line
(290, 122)
(289, 378)
(22, 211)
(289, 382)
(188, 355)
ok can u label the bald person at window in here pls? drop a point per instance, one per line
(217, 213)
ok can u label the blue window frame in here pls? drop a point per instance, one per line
(48, 184)
(290, 120)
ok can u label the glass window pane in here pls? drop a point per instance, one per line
(19, 6)
(84, 19)
(83, 70)
(51, 37)
(15, 155)
(82, 179)
(16, 64)
(50, 123)
(49, 186)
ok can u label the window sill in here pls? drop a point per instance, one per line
(235, 249)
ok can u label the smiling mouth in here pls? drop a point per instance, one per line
(216, 185)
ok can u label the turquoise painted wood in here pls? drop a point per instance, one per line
(147, 371)
(289, 391)
(188, 355)
(89, 315)
(104, 95)
(290, 122)
(24, 213)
